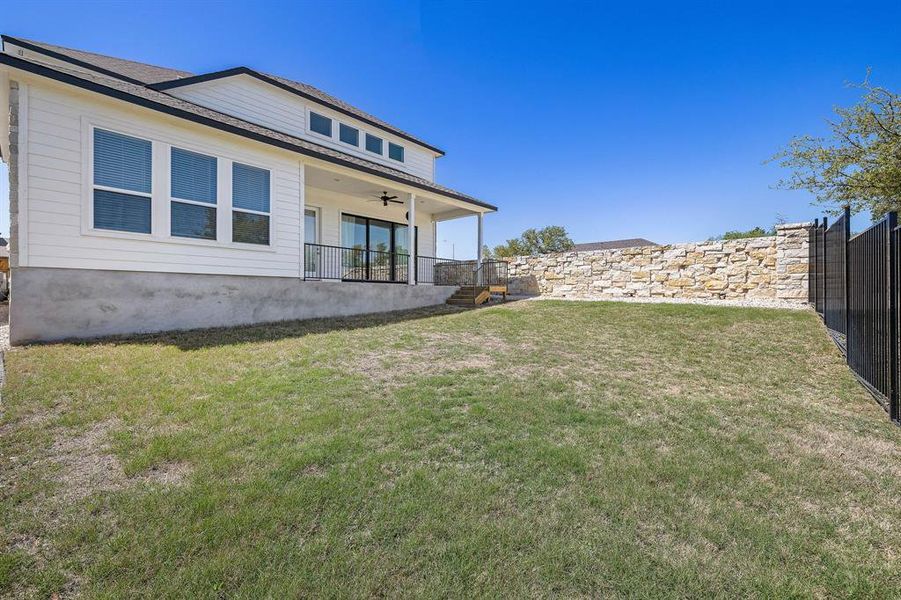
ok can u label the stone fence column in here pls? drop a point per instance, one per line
(792, 258)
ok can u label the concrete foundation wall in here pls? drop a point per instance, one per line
(55, 304)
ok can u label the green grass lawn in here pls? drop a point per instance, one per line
(534, 448)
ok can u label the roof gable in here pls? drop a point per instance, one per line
(162, 79)
(141, 95)
(300, 89)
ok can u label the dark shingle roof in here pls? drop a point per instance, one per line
(163, 78)
(613, 244)
(129, 70)
(112, 85)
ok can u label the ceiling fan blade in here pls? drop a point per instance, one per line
(391, 197)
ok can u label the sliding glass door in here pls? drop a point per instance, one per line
(376, 250)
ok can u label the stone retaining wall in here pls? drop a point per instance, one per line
(763, 267)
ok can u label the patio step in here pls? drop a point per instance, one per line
(470, 296)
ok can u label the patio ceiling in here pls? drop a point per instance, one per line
(366, 189)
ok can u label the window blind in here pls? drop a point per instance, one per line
(193, 176)
(250, 188)
(122, 161)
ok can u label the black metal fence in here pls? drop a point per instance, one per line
(854, 285)
(835, 275)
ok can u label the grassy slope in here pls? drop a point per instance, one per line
(536, 448)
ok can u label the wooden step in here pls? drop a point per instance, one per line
(469, 296)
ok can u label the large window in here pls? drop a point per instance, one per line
(395, 152)
(193, 205)
(123, 167)
(250, 204)
(321, 125)
(379, 249)
(373, 143)
(348, 135)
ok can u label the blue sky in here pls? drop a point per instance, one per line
(611, 119)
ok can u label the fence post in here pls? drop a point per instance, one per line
(824, 263)
(846, 213)
(893, 316)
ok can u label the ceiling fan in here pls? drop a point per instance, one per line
(385, 198)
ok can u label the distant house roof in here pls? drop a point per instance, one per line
(129, 81)
(613, 244)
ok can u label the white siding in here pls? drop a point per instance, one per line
(58, 193)
(253, 100)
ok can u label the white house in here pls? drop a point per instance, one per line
(145, 198)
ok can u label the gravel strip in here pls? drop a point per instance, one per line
(747, 303)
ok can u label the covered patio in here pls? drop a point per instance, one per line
(367, 228)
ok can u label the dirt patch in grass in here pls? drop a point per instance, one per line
(86, 463)
(863, 455)
(436, 354)
(82, 464)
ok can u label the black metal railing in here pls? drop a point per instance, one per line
(855, 284)
(354, 264)
(337, 263)
(442, 271)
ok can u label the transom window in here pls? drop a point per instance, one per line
(250, 204)
(349, 135)
(320, 124)
(395, 152)
(194, 192)
(373, 143)
(123, 167)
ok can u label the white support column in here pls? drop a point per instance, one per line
(411, 240)
(301, 233)
(481, 240)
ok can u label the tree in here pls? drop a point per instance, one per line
(860, 164)
(737, 235)
(532, 241)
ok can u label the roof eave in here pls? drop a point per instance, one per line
(50, 73)
(73, 61)
(235, 71)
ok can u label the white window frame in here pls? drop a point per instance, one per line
(310, 111)
(359, 131)
(90, 186)
(160, 226)
(368, 151)
(403, 152)
(171, 198)
(233, 210)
